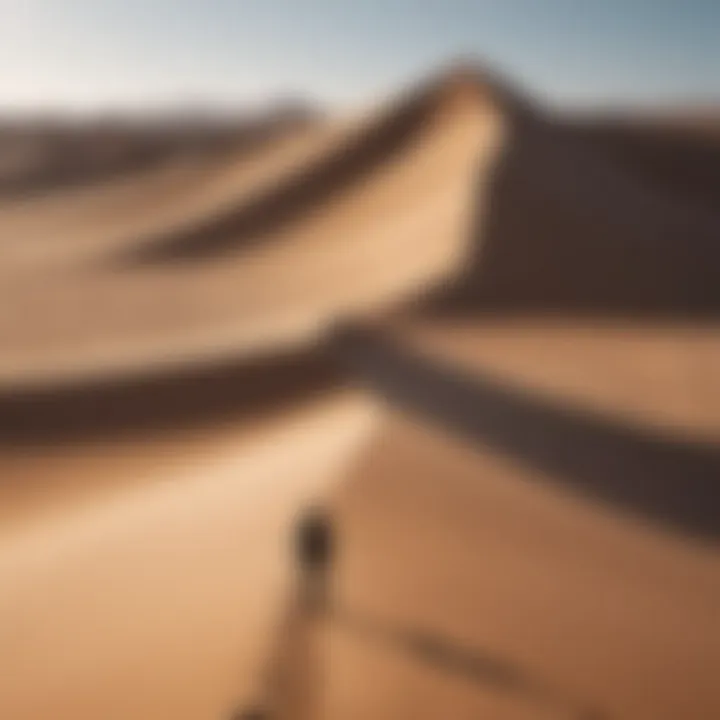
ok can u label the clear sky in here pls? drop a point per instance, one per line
(99, 53)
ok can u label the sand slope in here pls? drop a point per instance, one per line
(523, 475)
(385, 229)
(545, 605)
(147, 583)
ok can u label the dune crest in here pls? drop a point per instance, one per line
(376, 215)
(480, 339)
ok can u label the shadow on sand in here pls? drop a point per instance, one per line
(299, 664)
(586, 222)
(171, 398)
(659, 477)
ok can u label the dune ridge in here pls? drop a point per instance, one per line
(483, 336)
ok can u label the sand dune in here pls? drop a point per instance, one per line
(485, 337)
(656, 375)
(149, 582)
(482, 553)
(373, 243)
(41, 156)
(574, 231)
(74, 225)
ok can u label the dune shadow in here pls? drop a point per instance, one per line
(682, 162)
(591, 224)
(173, 398)
(654, 475)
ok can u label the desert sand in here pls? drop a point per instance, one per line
(483, 337)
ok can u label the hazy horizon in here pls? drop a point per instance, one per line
(79, 55)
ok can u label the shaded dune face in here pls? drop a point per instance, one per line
(681, 160)
(483, 339)
(592, 222)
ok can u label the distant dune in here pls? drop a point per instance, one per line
(43, 154)
(483, 335)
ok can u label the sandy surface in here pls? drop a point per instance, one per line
(486, 342)
(660, 375)
(589, 610)
(151, 587)
(370, 224)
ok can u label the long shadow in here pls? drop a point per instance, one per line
(172, 399)
(659, 477)
(576, 226)
(298, 663)
(476, 665)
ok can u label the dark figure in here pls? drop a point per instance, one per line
(314, 553)
(314, 542)
(295, 675)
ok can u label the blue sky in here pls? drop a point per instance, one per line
(100, 53)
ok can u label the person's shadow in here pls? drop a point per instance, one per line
(297, 670)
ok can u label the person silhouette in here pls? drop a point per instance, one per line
(314, 550)
(298, 675)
